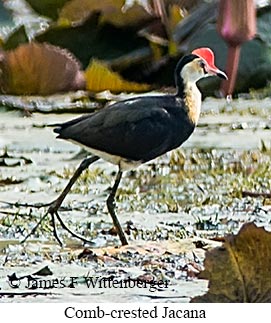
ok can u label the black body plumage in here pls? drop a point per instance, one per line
(138, 129)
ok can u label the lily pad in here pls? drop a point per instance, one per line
(90, 39)
(49, 8)
(17, 37)
(111, 11)
(41, 69)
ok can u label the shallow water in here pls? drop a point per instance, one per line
(190, 195)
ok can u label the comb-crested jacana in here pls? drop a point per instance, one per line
(134, 131)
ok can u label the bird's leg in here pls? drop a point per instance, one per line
(111, 208)
(55, 231)
(55, 205)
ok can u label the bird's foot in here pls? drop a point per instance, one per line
(52, 211)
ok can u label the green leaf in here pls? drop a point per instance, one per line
(89, 40)
(16, 38)
(49, 8)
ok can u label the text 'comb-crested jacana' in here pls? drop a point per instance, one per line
(134, 131)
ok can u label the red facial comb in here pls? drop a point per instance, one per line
(206, 54)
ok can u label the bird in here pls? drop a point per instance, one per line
(134, 131)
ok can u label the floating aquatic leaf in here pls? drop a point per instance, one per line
(49, 8)
(240, 270)
(17, 37)
(41, 69)
(90, 39)
(99, 78)
(76, 11)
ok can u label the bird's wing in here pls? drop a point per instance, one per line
(136, 131)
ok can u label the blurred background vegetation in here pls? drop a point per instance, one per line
(54, 46)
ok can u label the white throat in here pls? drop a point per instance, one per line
(192, 99)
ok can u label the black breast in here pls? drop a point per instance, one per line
(138, 129)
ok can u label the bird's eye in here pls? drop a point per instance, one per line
(201, 64)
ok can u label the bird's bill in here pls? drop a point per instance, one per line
(207, 55)
(213, 70)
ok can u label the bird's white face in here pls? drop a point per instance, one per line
(195, 70)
